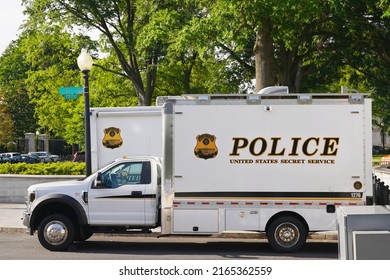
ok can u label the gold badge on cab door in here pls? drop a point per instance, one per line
(112, 138)
(205, 147)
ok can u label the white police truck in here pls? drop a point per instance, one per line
(274, 163)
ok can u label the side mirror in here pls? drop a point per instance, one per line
(98, 182)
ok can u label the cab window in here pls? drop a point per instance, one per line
(129, 173)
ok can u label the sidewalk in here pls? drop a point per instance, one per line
(11, 217)
(11, 222)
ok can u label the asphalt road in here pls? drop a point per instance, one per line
(19, 246)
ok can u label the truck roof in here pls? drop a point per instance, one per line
(136, 158)
(284, 98)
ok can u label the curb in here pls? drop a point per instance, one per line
(324, 236)
(13, 230)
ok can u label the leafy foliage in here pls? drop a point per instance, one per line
(5, 123)
(54, 168)
(13, 72)
(151, 48)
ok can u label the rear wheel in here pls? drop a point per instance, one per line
(56, 232)
(287, 234)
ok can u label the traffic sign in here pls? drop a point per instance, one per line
(71, 92)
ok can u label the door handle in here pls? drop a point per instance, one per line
(136, 193)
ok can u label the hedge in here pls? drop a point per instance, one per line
(54, 168)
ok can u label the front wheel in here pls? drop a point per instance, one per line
(287, 234)
(56, 232)
(83, 234)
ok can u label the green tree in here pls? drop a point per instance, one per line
(360, 38)
(381, 116)
(52, 65)
(143, 36)
(192, 64)
(5, 123)
(269, 39)
(124, 25)
(13, 72)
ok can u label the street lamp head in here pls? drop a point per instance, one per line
(84, 61)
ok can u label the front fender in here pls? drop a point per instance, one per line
(57, 203)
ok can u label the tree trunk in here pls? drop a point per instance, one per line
(264, 55)
(145, 93)
(188, 66)
(298, 77)
(289, 69)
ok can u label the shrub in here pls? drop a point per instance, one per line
(54, 168)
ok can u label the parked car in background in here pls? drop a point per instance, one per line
(30, 158)
(54, 157)
(79, 156)
(35, 157)
(45, 156)
(10, 154)
(13, 157)
(377, 149)
(4, 159)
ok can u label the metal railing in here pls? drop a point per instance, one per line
(381, 192)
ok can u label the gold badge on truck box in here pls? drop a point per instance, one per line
(205, 147)
(112, 138)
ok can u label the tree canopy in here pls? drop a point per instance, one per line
(143, 49)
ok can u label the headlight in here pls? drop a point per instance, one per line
(31, 196)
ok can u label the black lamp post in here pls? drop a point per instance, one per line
(85, 62)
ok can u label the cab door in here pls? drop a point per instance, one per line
(118, 197)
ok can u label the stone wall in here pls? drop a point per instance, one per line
(13, 188)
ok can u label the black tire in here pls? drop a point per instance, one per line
(287, 234)
(56, 232)
(83, 234)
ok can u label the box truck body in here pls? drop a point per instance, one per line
(124, 131)
(259, 162)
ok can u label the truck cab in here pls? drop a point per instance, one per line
(127, 193)
(124, 195)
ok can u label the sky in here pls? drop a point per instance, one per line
(11, 17)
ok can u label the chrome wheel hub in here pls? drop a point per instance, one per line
(55, 232)
(287, 235)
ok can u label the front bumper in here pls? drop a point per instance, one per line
(26, 221)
